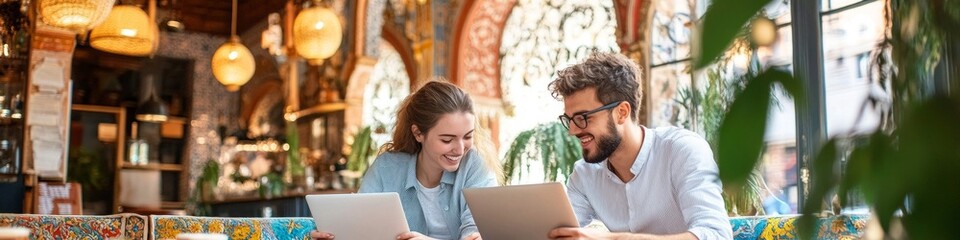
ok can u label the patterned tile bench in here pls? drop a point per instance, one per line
(120, 226)
(167, 227)
(132, 226)
(784, 227)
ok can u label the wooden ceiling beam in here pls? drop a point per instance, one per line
(251, 12)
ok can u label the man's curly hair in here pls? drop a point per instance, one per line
(616, 78)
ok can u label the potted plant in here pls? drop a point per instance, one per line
(362, 151)
(205, 189)
(295, 165)
(209, 181)
(709, 106)
(551, 144)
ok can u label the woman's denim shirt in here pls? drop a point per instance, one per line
(397, 172)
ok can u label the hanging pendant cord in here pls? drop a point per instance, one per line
(233, 19)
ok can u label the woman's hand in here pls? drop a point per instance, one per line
(473, 236)
(413, 236)
(318, 235)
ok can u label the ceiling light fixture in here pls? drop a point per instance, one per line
(127, 31)
(317, 32)
(233, 63)
(75, 15)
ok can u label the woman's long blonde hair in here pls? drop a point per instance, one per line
(424, 108)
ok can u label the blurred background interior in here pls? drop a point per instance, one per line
(239, 108)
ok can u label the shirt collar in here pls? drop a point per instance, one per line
(642, 156)
(411, 172)
(645, 149)
(446, 178)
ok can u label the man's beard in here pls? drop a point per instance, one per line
(605, 144)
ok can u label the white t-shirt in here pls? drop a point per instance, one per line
(436, 227)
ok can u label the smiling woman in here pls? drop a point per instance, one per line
(431, 158)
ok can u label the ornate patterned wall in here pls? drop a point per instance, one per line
(474, 61)
(373, 23)
(478, 47)
(202, 140)
(440, 16)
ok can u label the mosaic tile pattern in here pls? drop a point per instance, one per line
(121, 226)
(165, 227)
(784, 227)
(442, 28)
(203, 141)
(373, 25)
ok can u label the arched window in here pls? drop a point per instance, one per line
(389, 84)
(539, 38)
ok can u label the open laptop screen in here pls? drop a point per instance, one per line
(520, 211)
(359, 216)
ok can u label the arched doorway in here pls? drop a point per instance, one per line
(389, 84)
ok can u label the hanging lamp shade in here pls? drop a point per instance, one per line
(76, 15)
(232, 64)
(152, 110)
(127, 31)
(317, 33)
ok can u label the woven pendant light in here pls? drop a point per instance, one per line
(232, 63)
(317, 33)
(127, 31)
(75, 15)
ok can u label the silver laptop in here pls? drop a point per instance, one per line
(359, 216)
(520, 211)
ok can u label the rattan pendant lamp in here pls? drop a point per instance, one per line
(232, 63)
(317, 32)
(128, 30)
(75, 15)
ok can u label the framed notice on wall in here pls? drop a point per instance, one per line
(58, 198)
(48, 95)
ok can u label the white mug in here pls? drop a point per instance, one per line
(201, 236)
(14, 233)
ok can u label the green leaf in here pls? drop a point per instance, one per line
(792, 85)
(722, 22)
(929, 138)
(550, 143)
(740, 139)
(515, 154)
(857, 169)
(293, 155)
(823, 179)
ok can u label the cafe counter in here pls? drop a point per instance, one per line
(289, 204)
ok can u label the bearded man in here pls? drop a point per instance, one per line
(642, 183)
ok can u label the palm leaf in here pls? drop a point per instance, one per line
(550, 144)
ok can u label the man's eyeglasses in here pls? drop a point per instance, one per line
(580, 119)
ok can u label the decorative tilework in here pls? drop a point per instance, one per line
(783, 227)
(202, 141)
(478, 63)
(373, 23)
(121, 226)
(135, 226)
(165, 227)
(441, 17)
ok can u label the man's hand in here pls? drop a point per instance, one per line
(473, 236)
(318, 235)
(570, 233)
(413, 236)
